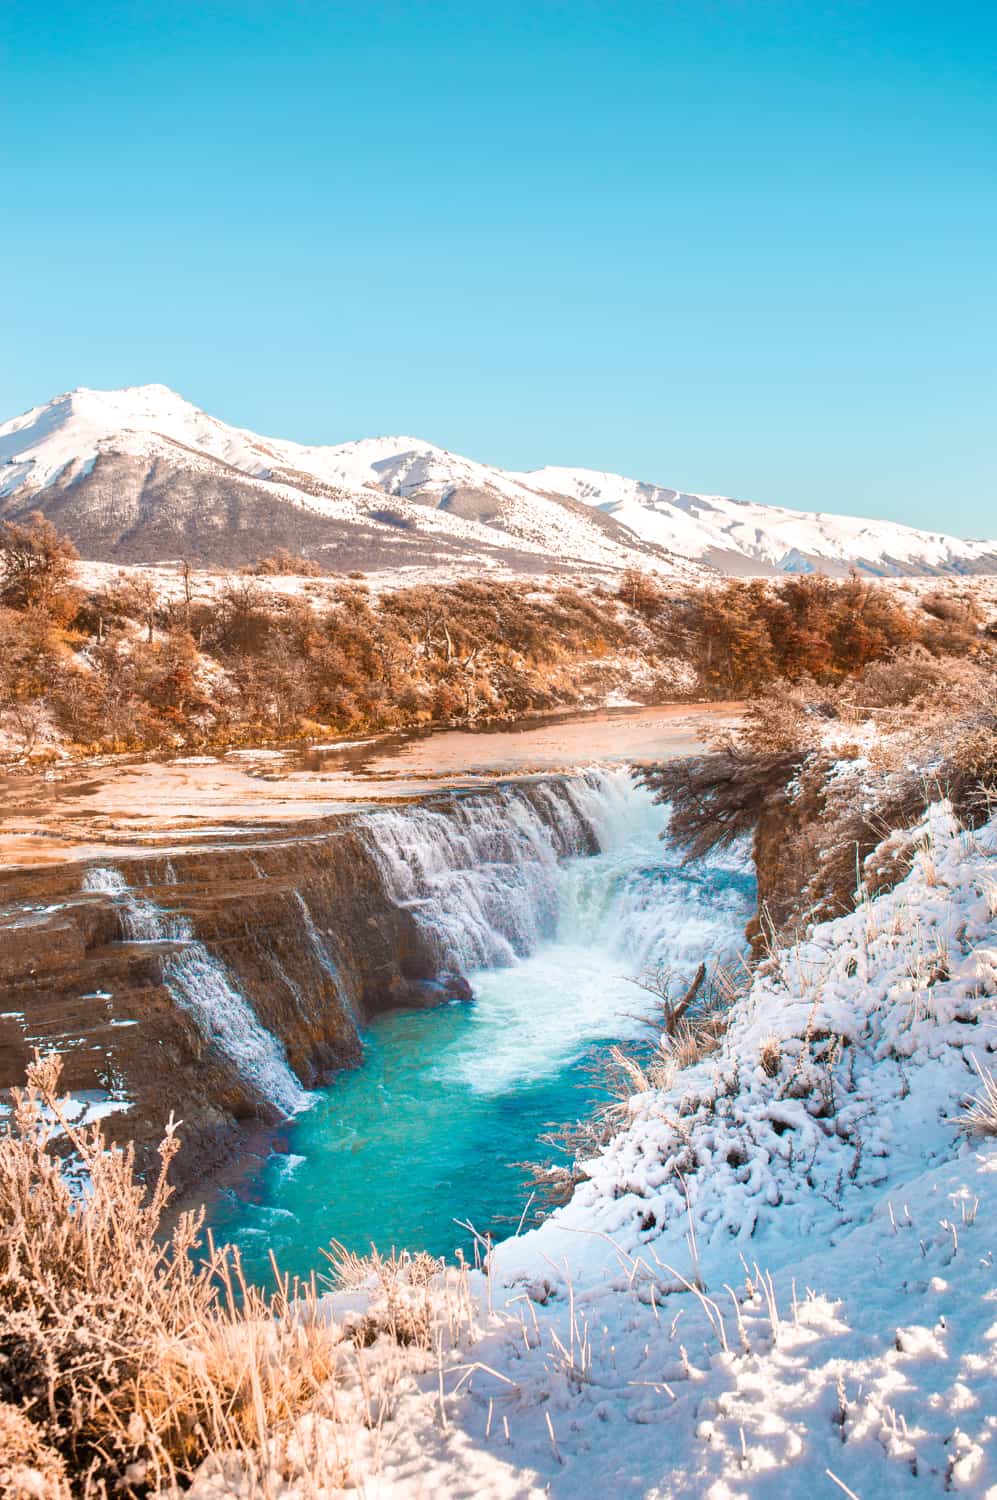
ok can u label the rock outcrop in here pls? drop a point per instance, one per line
(186, 981)
(301, 926)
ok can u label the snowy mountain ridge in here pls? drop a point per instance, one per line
(141, 475)
(113, 466)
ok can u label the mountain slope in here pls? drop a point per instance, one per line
(140, 474)
(735, 534)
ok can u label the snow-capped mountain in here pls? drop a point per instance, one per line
(141, 474)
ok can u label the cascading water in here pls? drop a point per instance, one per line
(482, 875)
(551, 898)
(200, 986)
(318, 945)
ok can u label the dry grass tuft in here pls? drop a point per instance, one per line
(128, 1356)
(404, 1294)
(980, 1117)
(770, 1056)
(29, 1468)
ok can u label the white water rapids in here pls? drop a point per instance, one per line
(551, 934)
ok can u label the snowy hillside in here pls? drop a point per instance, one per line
(729, 533)
(814, 1175)
(778, 1280)
(140, 474)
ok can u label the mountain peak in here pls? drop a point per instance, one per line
(140, 402)
(151, 389)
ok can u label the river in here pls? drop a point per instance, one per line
(430, 1130)
(526, 859)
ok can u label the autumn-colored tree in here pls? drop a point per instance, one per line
(729, 638)
(174, 687)
(32, 654)
(244, 619)
(108, 706)
(640, 592)
(36, 566)
(132, 671)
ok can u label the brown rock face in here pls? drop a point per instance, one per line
(299, 927)
(105, 963)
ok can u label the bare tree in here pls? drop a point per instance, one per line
(658, 982)
(186, 592)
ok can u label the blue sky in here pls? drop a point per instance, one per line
(746, 247)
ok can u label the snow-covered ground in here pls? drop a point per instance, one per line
(777, 1281)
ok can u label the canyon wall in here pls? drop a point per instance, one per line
(220, 982)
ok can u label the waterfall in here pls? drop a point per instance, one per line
(481, 874)
(200, 986)
(642, 905)
(550, 895)
(631, 908)
(318, 944)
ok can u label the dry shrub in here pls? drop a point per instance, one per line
(915, 678)
(775, 722)
(785, 716)
(132, 1360)
(835, 835)
(641, 592)
(910, 675)
(29, 1468)
(552, 1183)
(970, 769)
(404, 1293)
(128, 596)
(626, 1074)
(770, 1056)
(659, 982)
(282, 563)
(960, 610)
(815, 823)
(691, 1027)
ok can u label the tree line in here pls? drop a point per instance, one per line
(134, 665)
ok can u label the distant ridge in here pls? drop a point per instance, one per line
(141, 475)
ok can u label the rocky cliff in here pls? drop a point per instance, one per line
(221, 982)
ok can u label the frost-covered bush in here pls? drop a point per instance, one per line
(129, 1351)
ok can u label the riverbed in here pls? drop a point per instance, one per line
(526, 861)
(86, 811)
